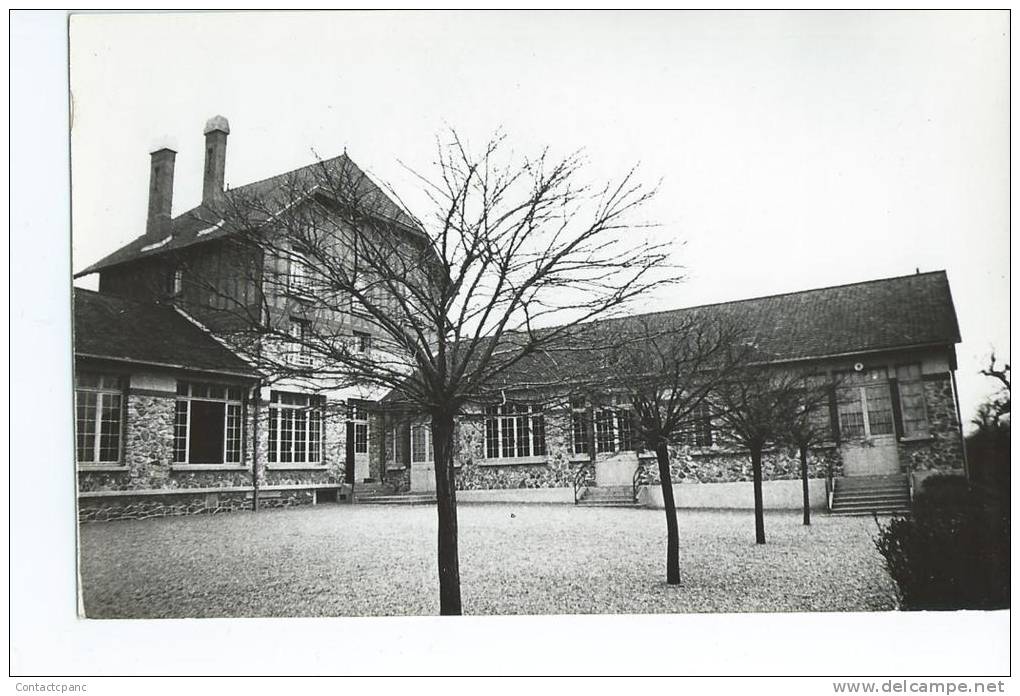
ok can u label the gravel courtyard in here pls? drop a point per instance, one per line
(338, 560)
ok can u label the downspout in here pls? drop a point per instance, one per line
(959, 423)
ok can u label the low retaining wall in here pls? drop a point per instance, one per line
(776, 495)
(517, 495)
(140, 504)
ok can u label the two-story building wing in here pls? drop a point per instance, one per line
(305, 438)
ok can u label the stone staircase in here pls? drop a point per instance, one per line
(867, 495)
(607, 496)
(382, 494)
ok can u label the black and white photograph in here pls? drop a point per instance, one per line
(697, 314)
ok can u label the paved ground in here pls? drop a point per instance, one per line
(337, 560)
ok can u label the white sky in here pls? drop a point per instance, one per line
(795, 150)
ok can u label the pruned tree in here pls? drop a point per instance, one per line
(756, 406)
(668, 366)
(808, 424)
(453, 299)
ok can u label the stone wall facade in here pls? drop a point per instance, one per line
(146, 482)
(941, 450)
(729, 465)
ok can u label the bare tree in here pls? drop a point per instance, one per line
(453, 299)
(996, 409)
(668, 366)
(756, 406)
(808, 424)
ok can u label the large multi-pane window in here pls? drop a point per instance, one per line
(99, 402)
(295, 428)
(614, 428)
(864, 404)
(514, 430)
(358, 419)
(421, 443)
(697, 429)
(579, 426)
(605, 430)
(208, 423)
(912, 407)
(817, 395)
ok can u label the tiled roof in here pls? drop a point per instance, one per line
(120, 329)
(906, 311)
(203, 224)
(888, 314)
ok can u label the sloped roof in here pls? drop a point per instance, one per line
(900, 312)
(116, 328)
(203, 223)
(877, 315)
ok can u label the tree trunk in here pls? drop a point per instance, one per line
(759, 508)
(672, 530)
(804, 485)
(446, 506)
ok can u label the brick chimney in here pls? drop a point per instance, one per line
(161, 194)
(216, 131)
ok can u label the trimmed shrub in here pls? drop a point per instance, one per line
(953, 552)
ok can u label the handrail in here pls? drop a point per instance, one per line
(829, 491)
(579, 477)
(634, 482)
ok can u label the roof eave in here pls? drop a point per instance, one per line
(171, 366)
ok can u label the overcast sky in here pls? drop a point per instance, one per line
(795, 150)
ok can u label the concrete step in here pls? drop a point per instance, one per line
(874, 497)
(869, 513)
(396, 499)
(607, 503)
(848, 482)
(871, 503)
(867, 509)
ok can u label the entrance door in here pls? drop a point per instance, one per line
(617, 470)
(866, 424)
(358, 423)
(423, 468)
(423, 477)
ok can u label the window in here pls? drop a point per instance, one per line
(605, 430)
(297, 275)
(175, 281)
(298, 352)
(579, 426)
(98, 405)
(818, 400)
(421, 444)
(362, 341)
(358, 418)
(207, 423)
(912, 406)
(295, 428)
(614, 428)
(864, 404)
(697, 430)
(514, 431)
